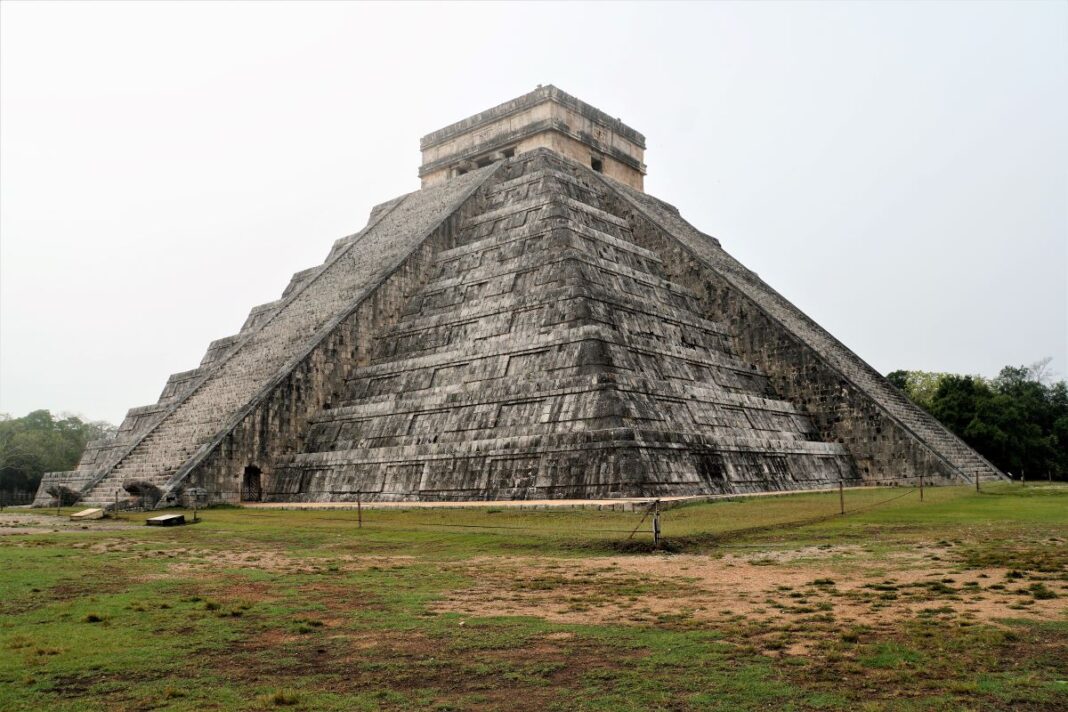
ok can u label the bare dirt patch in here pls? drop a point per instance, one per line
(201, 561)
(27, 523)
(696, 589)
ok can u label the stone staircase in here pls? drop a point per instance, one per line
(967, 463)
(236, 369)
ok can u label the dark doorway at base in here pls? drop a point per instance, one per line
(252, 485)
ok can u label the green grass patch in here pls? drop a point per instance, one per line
(263, 609)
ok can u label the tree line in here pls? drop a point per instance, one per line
(1017, 420)
(40, 442)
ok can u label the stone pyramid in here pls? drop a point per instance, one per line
(529, 324)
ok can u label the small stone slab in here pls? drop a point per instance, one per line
(166, 520)
(93, 513)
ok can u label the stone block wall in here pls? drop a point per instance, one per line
(850, 403)
(167, 441)
(548, 356)
(276, 426)
(532, 329)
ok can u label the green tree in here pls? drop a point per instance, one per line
(919, 386)
(900, 379)
(1018, 421)
(38, 442)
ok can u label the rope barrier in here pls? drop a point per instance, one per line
(720, 536)
(885, 501)
(732, 533)
(403, 525)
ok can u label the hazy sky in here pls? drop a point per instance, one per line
(897, 170)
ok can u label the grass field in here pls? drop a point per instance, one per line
(957, 602)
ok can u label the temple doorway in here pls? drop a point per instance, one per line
(252, 485)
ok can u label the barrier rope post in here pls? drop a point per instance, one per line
(359, 512)
(921, 486)
(656, 524)
(642, 521)
(841, 497)
(977, 480)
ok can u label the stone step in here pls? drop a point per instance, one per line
(537, 384)
(530, 324)
(512, 302)
(496, 353)
(525, 445)
(533, 230)
(489, 428)
(506, 273)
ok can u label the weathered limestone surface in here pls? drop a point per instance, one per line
(528, 330)
(544, 118)
(850, 402)
(549, 357)
(160, 444)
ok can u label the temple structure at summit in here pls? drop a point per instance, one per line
(529, 324)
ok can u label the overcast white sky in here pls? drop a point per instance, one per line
(897, 170)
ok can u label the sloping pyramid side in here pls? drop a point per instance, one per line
(157, 445)
(550, 358)
(889, 437)
(678, 370)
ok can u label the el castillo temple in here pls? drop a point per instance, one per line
(529, 324)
